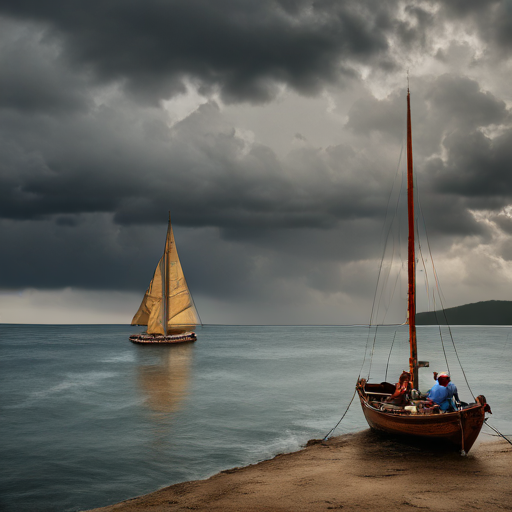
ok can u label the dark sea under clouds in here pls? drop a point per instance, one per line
(89, 419)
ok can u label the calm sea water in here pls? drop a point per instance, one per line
(89, 419)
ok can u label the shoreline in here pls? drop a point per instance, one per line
(357, 471)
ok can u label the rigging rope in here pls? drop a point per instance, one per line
(386, 238)
(497, 431)
(335, 426)
(438, 287)
(373, 351)
(387, 365)
(434, 273)
(446, 321)
(193, 302)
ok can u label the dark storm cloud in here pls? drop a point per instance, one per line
(244, 48)
(504, 222)
(91, 252)
(127, 162)
(492, 20)
(88, 173)
(450, 116)
(477, 164)
(33, 79)
(94, 253)
(459, 101)
(131, 164)
(439, 106)
(386, 116)
(48, 254)
(79, 194)
(477, 167)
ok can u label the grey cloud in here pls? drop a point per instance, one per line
(86, 253)
(88, 173)
(478, 167)
(369, 115)
(504, 222)
(33, 79)
(450, 114)
(244, 48)
(91, 252)
(459, 101)
(131, 164)
(492, 21)
(439, 105)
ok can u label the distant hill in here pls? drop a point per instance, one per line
(489, 312)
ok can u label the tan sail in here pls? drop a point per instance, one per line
(181, 312)
(167, 306)
(151, 310)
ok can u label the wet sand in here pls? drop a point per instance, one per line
(353, 472)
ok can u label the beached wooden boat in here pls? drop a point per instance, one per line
(459, 428)
(167, 308)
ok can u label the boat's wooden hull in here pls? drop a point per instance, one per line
(459, 429)
(148, 339)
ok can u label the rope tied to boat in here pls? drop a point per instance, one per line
(497, 431)
(336, 426)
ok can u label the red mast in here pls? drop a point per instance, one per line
(411, 306)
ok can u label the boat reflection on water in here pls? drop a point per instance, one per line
(163, 376)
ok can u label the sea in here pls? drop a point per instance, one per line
(89, 419)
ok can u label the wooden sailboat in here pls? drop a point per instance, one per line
(459, 428)
(167, 307)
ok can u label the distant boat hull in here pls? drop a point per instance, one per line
(145, 339)
(458, 429)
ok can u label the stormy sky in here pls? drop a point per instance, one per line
(272, 130)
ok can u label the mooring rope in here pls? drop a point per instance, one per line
(335, 426)
(497, 431)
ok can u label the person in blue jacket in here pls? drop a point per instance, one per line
(451, 387)
(440, 394)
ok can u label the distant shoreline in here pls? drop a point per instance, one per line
(360, 471)
(485, 313)
(490, 313)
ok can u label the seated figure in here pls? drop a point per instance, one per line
(402, 387)
(451, 387)
(440, 394)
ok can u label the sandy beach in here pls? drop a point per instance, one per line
(360, 471)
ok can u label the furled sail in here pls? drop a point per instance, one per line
(167, 306)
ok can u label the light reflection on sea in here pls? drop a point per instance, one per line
(89, 419)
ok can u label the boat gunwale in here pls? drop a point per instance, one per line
(420, 418)
(458, 428)
(161, 339)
